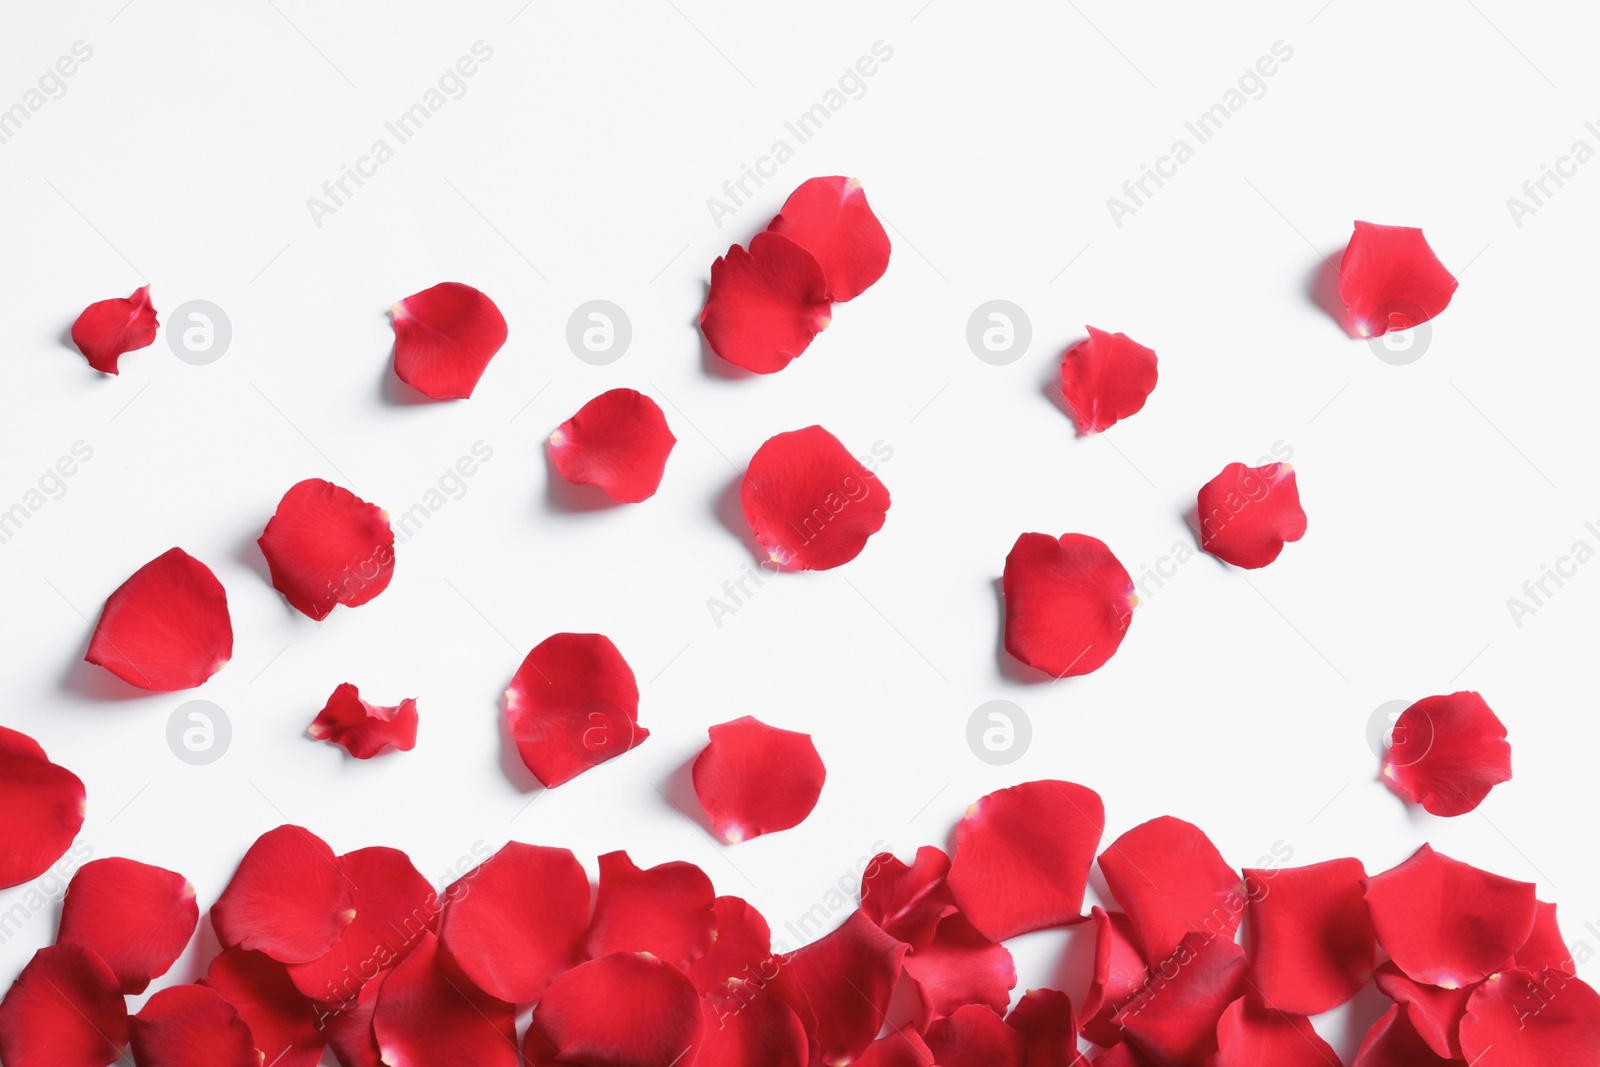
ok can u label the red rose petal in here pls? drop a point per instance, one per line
(1173, 1019)
(907, 903)
(289, 898)
(1105, 379)
(1391, 1042)
(430, 1015)
(665, 911)
(765, 305)
(1448, 752)
(903, 1047)
(745, 1025)
(394, 906)
(1311, 940)
(1249, 1035)
(572, 705)
(1171, 881)
(960, 967)
(166, 627)
(1545, 946)
(64, 1010)
(191, 1026)
(1246, 514)
(1068, 603)
(809, 502)
(1446, 923)
(444, 338)
(364, 729)
(1434, 1013)
(282, 1022)
(136, 917)
(1122, 1055)
(1043, 1018)
(618, 441)
(44, 807)
(1119, 974)
(1023, 855)
(347, 1026)
(847, 977)
(326, 546)
(625, 1010)
(975, 1036)
(1390, 279)
(755, 779)
(108, 328)
(1521, 1019)
(742, 942)
(517, 920)
(829, 218)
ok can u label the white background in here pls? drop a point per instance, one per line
(577, 166)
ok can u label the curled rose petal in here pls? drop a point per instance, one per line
(326, 546)
(960, 966)
(745, 1025)
(108, 328)
(1171, 881)
(282, 1022)
(289, 898)
(1522, 1019)
(974, 1036)
(1105, 379)
(572, 705)
(765, 305)
(1173, 1019)
(1249, 1035)
(809, 502)
(743, 941)
(364, 729)
(191, 1026)
(1545, 946)
(1311, 941)
(829, 218)
(1043, 1018)
(755, 779)
(166, 627)
(618, 441)
(1068, 603)
(1022, 857)
(430, 1015)
(1446, 923)
(64, 1010)
(847, 977)
(517, 920)
(665, 911)
(1247, 514)
(908, 903)
(1448, 752)
(1391, 1042)
(136, 917)
(444, 338)
(1118, 974)
(1390, 279)
(625, 1010)
(44, 807)
(1432, 1012)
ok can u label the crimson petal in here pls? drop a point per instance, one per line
(625, 1010)
(765, 305)
(1068, 603)
(1171, 880)
(289, 898)
(959, 967)
(1311, 940)
(974, 1036)
(1248, 1035)
(1390, 279)
(1545, 946)
(1043, 1018)
(108, 328)
(1105, 379)
(809, 502)
(618, 441)
(1448, 752)
(1391, 1042)
(430, 1015)
(134, 916)
(1523, 1019)
(326, 546)
(282, 1022)
(755, 779)
(191, 1026)
(572, 705)
(745, 1025)
(1247, 514)
(1119, 973)
(847, 977)
(64, 1010)
(364, 729)
(1433, 1012)
(899, 1048)
(907, 903)
(743, 941)
(665, 911)
(347, 1026)
(44, 807)
(166, 627)
(830, 218)
(1173, 1019)
(444, 338)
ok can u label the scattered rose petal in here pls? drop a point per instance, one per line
(430, 1015)
(1172, 881)
(108, 328)
(755, 779)
(765, 305)
(742, 943)
(1522, 1019)
(908, 903)
(347, 1026)
(166, 627)
(1122, 1055)
(1249, 1035)
(1391, 1042)
(898, 1048)
(44, 807)
(809, 502)
(745, 1025)
(829, 218)
(326, 546)
(289, 898)
(1432, 1012)
(1118, 975)
(282, 1022)
(1311, 941)
(1043, 1018)
(1068, 603)
(1390, 279)
(1105, 379)
(572, 705)
(135, 917)
(64, 1010)
(960, 966)
(1545, 946)
(618, 441)
(665, 911)
(1246, 514)
(974, 1036)
(1448, 752)
(1173, 1019)
(444, 338)
(191, 1026)
(847, 977)
(624, 1010)
(364, 729)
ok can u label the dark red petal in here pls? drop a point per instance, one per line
(665, 911)
(282, 1022)
(1246, 514)
(166, 627)
(1522, 1019)
(618, 441)
(908, 902)
(1448, 752)
(625, 1010)
(1311, 941)
(1122, 1055)
(289, 898)
(517, 920)
(1023, 855)
(394, 906)
(572, 705)
(326, 546)
(64, 1010)
(745, 1025)
(1545, 946)
(975, 1036)
(1391, 1042)
(847, 977)
(108, 328)
(1171, 880)
(347, 1026)
(1068, 603)
(755, 779)
(1390, 279)
(1106, 378)
(1445, 922)
(1250, 1036)
(44, 807)
(902, 1047)
(960, 967)
(1119, 974)
(136, 917)
(765, 305)
(430, 1015)
(829, 218)
(1043, 1018)
(1434, 1013)
(1173, 1019)
(444, 338)
(364, 729)
(191, 1026)
(809, 502)
(741, 942)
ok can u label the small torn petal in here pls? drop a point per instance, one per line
(166, 628)
(755, 779)
(1390, 279)
(1448, 752)
(1247, 514)
(1068, 603)
(811, 504)
(326, 546)
(135, 917)
(1105, 379)
(364, 729)
(618, 441)
(44, 806)
(765, 305)
(444, 338)
(830, 218)
(573, 705)
(108, 328)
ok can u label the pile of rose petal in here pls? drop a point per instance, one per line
(358, 953)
